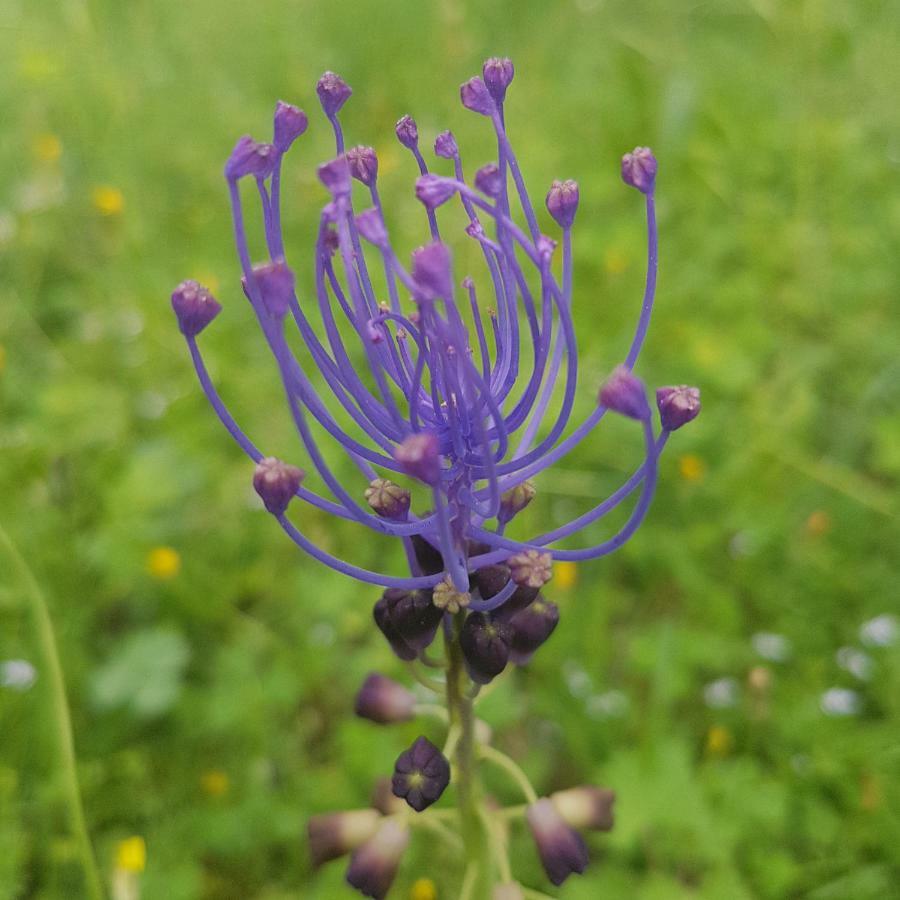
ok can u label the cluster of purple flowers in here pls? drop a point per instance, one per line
(470, 401)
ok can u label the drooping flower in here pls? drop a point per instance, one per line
(421, 774)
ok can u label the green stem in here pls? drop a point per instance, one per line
(512, 769)
(468, 786)
(62, 719)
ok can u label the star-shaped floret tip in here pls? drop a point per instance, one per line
(333, 93)
(407, 132)
(448, 599)
(475, 96)
(623, 392)
(562, 202)
(289, 123)
(276, 482)
(677, 405)
(421, 774)
(250, 157)
(383, 700)
(531, 568)
(498, 73)
(445, 145)
(194, 306)
(485, 646)
(639, 169)
(389, 500)
(363, 164)
(562, 850)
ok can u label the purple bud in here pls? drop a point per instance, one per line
(277, 483)
(421, 774)
(275, 282)
(677, 405)
(513, 501)
(335, 175)
(498, 74)
(330, 241)
(624, 393)
(485, 646)
(374, 865)
(431, 270)
(363, 164)
(371, 227)
(389, 500)
(384, 701)
(561, 849)
(530, 627)
(562, 202)
(289, 123)
(415, 617)
(385, 623)
(475, 96)
(432, 190)
(334, 834)
(531, 568)
(546, 247)
(333, 93)
(489, 181)
(427, 556)
(249, 157)
(195, 307)
(445, 145)
(639, 169)
(407, 132)
(586, 806)
(419, 456)
(490, 580)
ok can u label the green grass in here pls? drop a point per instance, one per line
(778, 133)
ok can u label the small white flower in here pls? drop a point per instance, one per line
(770, 646)
(840, 702)
(880, 631)
(856, 662)
(721, 693)
(17, 674)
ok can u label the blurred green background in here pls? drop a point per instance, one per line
(211, 668)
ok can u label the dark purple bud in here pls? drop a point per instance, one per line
(624, 393)
(639, 169)
(475, 96)
(374, 865)
(416, 618)
(334, 834)
(489, 181)
(427, 556)
(447, 598)
(421, 774)
(562, 850)
(677, 405)
(445, 145)
(521, 598)
(335, 175)
(275, 282)
(249, 157)
(562, 202)
(389, 500)
(586, 806)
(385, 622)
(384, 700)
(276, 482)
(485, 647)
(419, 456)
(530, 627)
(333, 93)
(531, 568)
(432, 190)
(371, 227)
(407, 132)
(289, 123)
(431, 270)
(513, 501)
(498, 74)
(363, 164)
(195, 307)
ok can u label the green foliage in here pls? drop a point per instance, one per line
(212, 699)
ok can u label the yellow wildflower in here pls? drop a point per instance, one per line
(691, 468)
(47, 147)
(107, 200)
(565, 574)
(423, 889)
(215, 783)
(163, 563)
(131, 854)
(719, 741)
(818, 523)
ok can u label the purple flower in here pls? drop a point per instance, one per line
(363, 164)
(333, 93)
(419, 457)
(475, 96)
(277, 483)
(384, 701)
(488, 180)
(498, 74)
(335, 175)
(432, 190)
(639, 169)
(445, 145)
(374, 864)
(388, 499)
(275, 283)
(431, 270)
(530, 628)
(371, 227)
(624, 393)
(562, 202)
(249, 157)
(562, 850)
(407, 132)
(421, 774)
(195, 307)
(485, 646)
(677, 405)
(289, 123)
